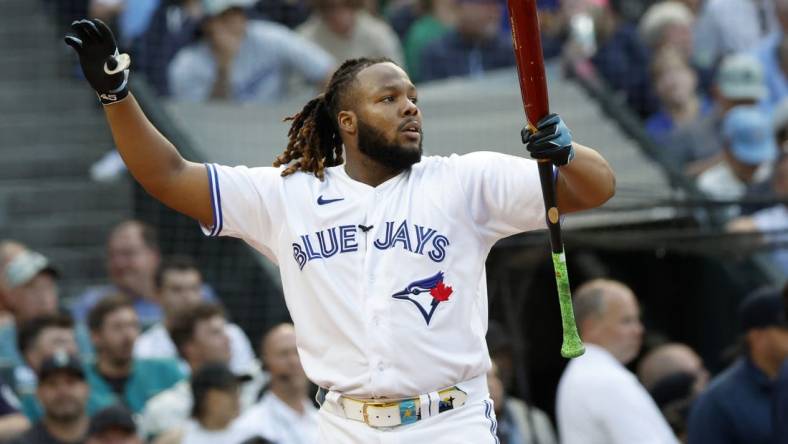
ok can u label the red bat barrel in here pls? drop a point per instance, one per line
(527, 44)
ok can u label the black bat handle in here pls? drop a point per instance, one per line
(547, 179)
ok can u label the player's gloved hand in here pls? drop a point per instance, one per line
(105, 68)
(552, 140)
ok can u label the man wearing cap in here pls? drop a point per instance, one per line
(200, 336)
(736, 407)
(216, 406)
(29, 284)
(113, 425)
(698, 146)
(63, 393)
(749, 150)
(244, 61)
(474, 46)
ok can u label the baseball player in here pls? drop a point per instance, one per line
(381, 251)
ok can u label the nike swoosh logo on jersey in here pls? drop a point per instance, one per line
(321, 201)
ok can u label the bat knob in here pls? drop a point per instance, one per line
(572, 348)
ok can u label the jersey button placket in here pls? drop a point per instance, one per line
(370, 293)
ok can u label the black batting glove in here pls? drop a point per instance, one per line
(104, 67)
(552, 140)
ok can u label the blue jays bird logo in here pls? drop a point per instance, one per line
(434, 286)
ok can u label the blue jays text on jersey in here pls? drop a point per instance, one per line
(342, 239)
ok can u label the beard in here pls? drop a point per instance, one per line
(65, 410)
(373, 143)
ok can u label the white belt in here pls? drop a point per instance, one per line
(395, 412)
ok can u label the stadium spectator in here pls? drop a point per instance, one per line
(772, 222)
(113, 425)
(244, 60)
(475, 45)
(674, 376)
(115, 376)
(730, 26)
(517, 421)
(30, 290)
(772, 52)
(346, 31)
(63, 393)
(39, 338)
(699, 145)
(667, 359)
(179, 287)
(667, 24)
(132, 259)
(200, 334)
(438, 17)
(621, 59)
(216, 407)
(676, 85)
(285, 414)
(174, 26)
(12, 422)
(599, 400)
(736, 407)
(749, 150)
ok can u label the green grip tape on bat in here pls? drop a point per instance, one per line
(572, 346)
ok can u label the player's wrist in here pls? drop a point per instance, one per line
(109, 99)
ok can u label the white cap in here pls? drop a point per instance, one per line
(215, 7)
(741, 77)
(659, 15)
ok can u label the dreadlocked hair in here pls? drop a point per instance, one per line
(314, 142)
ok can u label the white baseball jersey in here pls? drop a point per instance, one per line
(385, 285)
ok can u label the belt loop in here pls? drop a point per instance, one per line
(424, 403)
(333, 397)
(435, 400)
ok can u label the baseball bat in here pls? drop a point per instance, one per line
(527, 45)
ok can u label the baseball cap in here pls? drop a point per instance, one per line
(740, 77)
(214, 376)
(761, 309)
(25, 266)
(113, 417)
(750, 135)
(216, 7)
(61, 361)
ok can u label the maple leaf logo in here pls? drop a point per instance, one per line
(441, 292)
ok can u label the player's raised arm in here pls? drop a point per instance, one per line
(152, 159)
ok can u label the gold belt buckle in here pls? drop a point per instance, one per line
(366, 405)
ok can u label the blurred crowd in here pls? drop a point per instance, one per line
(706, 78)
(151, 356)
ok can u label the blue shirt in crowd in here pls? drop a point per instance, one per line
(734, 409)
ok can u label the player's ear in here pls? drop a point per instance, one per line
(348, 122)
